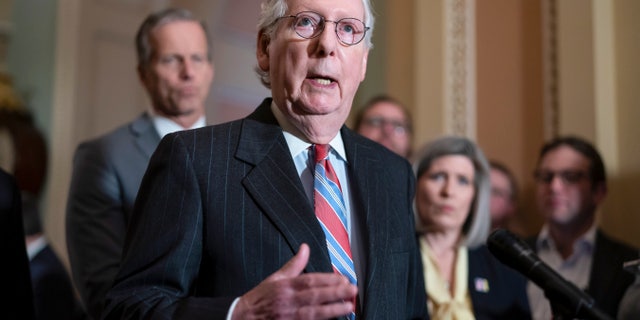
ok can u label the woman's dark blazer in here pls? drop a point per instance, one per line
(497, 291)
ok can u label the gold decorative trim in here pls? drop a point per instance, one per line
(460, 80)
(550, 66)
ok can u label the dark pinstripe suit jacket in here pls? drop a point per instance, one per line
(222, 207)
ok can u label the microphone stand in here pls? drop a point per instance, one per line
(561, 311)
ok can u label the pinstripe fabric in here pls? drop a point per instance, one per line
(222, 208)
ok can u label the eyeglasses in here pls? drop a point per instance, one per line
(501, 193)
(309, 24)
(398, 127)
(566, 176)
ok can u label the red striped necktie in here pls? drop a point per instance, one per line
(332, 214)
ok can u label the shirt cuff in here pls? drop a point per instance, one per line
(233, 306)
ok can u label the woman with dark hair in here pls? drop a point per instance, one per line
(463, 280)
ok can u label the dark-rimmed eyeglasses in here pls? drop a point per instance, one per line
(566, 176)
(309, 24)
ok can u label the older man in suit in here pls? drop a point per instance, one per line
(286, 213)
(174, 65)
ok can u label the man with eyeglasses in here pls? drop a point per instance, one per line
(386, 121)
(279, 215)
(570, 185)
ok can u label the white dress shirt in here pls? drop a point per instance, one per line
(164, 125)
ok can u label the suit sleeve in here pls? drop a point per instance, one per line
(163, 247)
(630, 304)
(417, 299)
(95, 224)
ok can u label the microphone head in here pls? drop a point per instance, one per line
(511, 251)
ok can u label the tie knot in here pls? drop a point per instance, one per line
(321, 152)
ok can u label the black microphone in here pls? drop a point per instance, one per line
(564, 296)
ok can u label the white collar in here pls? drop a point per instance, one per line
(545, 241)
(297, 145)
(36, 246)
(164, 125)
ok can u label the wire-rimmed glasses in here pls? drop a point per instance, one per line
(309, 24)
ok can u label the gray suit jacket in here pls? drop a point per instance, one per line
(222, 207)
(630, 304)
(107, 173)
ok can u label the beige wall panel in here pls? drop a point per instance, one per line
(621, 215)
(575, 61)
(509, 35)
(428, 85)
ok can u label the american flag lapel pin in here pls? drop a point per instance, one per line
(482, 285)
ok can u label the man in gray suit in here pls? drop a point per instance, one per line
(225, 223)
(175, 67)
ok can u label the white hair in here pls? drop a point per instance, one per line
(271, 10)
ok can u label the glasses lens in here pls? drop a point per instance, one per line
(308, 24)
(571, 176)
(350, 30)
(567, 176)
(397, 127)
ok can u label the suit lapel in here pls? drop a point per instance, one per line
(365, 171)
(145, 135)
(275, 186)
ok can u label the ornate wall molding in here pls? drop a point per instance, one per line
(460, 98)
(460, 68)
(551, 106)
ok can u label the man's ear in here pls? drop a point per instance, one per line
(262, 50)
(599, 193)
(143, 76)
(364, 65)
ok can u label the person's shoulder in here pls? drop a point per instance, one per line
(206, 131)
(481, 252)
(120, 135)
(481, 258)
(610, 243)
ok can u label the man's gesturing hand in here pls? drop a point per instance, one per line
(289, 294)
